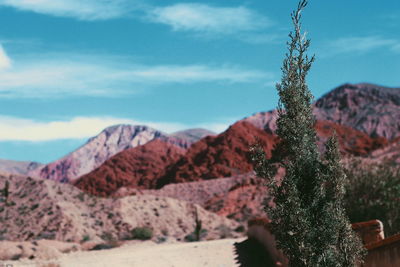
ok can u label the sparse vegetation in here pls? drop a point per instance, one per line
(240, 229)
(224, 231)
(103, 246)
(85, 238)
(34, 206)
(142, 233)
(373, 192)
(81, 196)
(193, 238)
(108, 236)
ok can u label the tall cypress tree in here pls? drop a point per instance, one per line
(308, 218)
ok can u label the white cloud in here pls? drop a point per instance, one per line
(54, 76)
(202, 18)
(79, 9)
(5, 61)
(20, 129)
(358, 45)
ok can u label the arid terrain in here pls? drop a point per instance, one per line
(131, 177)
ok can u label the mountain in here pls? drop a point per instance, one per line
(18, 167)
(192, 135)
(97, 150)
(371, 109)
(45, 209)
(224, 155)
(157, 163)
(135, 167)
(227, 154)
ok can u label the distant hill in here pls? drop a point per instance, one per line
(18, 167)
(192, 135)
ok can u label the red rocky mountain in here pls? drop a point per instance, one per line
(351, 141)
(135, 167)
(219, 156)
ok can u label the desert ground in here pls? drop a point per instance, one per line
(218, 253)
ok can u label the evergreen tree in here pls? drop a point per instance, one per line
(308, 219)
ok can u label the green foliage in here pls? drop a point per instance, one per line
(192, 237)
(142, 233)
(85, 238)
(308, 218)
(373, 192)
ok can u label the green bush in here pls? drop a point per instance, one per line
(193, 238)
(373, 192)
(85, 238)
(142, 233)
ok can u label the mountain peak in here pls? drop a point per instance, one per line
(369, 108)
(97, 149)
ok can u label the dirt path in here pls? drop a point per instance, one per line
(219, 253)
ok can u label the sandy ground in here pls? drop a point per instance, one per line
(219, 253)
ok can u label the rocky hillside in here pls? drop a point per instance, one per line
(351, 141)
(238, 197)
(38, 209)
(100, 148)
(390, 152)
(371, 109)
(224, 155)
(18, 167)
(135, 167)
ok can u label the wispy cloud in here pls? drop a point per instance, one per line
(5, 61)
(54, 76)
(205, 18)
(82, 10)
(20, 129)
(211, 21)
(359, 45)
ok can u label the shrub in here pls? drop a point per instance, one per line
(34, 206)
(107, 236)
(192, 237)
(142, 233)
(85, 238)
(240, 229)
(373, 192)
(109, 245)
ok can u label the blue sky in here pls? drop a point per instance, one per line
(69, 68)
